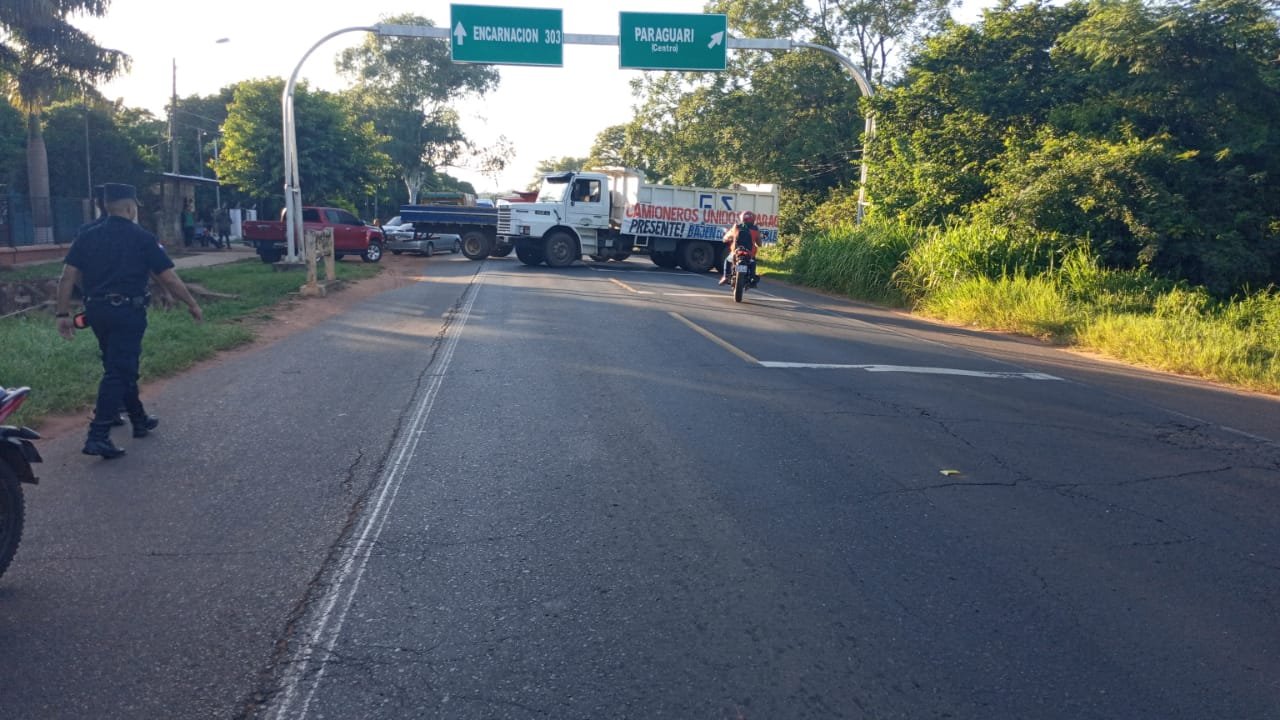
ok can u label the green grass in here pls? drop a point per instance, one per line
(1029, 306)
(1046, 287)
(1236, 342)
(40, 271)
(855, 261)
(64, 375)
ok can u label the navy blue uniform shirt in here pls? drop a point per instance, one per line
(117, 256)
(85, 227)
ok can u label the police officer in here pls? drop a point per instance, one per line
(112, 261)
(100, 216)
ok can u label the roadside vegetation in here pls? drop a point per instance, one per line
(64, 375)
(1046, 287)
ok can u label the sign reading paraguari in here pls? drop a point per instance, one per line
(671, 41)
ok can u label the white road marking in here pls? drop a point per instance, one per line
(715, 338)
(307, 666)
(912, 369)
(626, 287)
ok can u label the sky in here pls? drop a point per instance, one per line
(544, 112)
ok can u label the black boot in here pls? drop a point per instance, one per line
(99, 442)
(144, 424)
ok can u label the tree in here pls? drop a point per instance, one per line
(1144, 129)
(11, 144)
(556, 165)
(338, 157)
(114, 154)
(199, 119)
(404, 87)
(875, 29)
(493, 159)
(44, 58)
(968, 93)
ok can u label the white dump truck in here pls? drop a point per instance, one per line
(610, 213)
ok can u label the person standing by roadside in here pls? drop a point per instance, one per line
(188, 223)
(224, 227)
(112, 262)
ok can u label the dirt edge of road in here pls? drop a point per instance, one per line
(289, 316)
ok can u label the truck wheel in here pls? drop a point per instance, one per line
(476, 245)
(371, 254)
(270, 256)
(561, 249)
(502, 250)
(663, 259)
(529, 255)
(697, 256)
(620, 255)
(599, 258)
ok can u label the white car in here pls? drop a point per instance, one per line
(404, 239)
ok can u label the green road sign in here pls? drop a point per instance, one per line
(672, 41)
(506, 35)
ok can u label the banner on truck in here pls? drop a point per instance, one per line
(690, 223)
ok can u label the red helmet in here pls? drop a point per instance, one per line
(748, 216)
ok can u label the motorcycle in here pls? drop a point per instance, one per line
(744, 275)
(17, 454)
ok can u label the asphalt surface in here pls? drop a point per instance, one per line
(609, 492)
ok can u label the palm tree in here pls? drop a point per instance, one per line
(42, 58)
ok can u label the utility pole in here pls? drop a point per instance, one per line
(173, 119)
(217, 189)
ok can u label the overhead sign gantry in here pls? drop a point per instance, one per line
(535, 36)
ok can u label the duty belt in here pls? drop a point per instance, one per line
(118, 300)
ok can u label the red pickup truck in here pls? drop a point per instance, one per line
(351, 235)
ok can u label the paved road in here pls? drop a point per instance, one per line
(607, 491)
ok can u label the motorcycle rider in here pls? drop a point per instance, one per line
(745, 234)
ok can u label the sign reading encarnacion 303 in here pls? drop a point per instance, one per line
(506, 35)
(671, 41)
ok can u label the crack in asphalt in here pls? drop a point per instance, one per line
(348, 482)
(288, 643)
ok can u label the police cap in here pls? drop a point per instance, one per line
(111, 192)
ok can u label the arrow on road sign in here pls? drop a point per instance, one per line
(459, 34)
(716, 39)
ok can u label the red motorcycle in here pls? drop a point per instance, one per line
(17, 453)
(744, 273)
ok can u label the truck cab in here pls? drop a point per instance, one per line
(573, 215)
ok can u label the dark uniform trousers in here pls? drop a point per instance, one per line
(119, 329)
